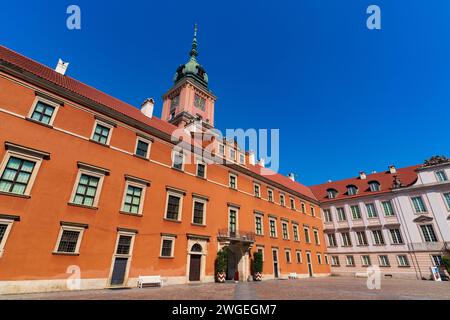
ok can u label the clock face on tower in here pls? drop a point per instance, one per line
(199, 102)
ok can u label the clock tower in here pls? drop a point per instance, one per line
(189, 100)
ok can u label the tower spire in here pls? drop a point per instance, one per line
(193, 53)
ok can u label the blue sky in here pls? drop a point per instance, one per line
(345, 98)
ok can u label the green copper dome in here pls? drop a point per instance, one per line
(192, 68)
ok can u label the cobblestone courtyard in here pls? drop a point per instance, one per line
(318, 288)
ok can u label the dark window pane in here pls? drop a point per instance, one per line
(198, 212)
(173, 207)
(142, 148)
(16, 175)
(86, 190)
(166, 248)
(123, 247)
(42, 112)
(68, 242)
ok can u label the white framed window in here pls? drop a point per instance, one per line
(43, 111)
(5, 229)
(350, 261)
(232, 181)
(295, 230)
(327, 215)
(257, 190)
(284, 228)
(273, 227)
(221, 149)
(319, 258)
(233, 221)
(303, 207)
(134, 195)
(270, 195)
(378, 238)
(326, 259)
(232, 154)
(174, 204)
(306, 232)
(88, 185)
(313, 211)
(282, 200)
(403, 261)
(341, 214)
(441, 176)
(335, 261)
(428, 233)
(346, 240)
(384, 261)
(418, 204)
(316, 236)
(288, 255)
(178, 160)
(396, 236)
(298, 254)
(167, 246)
(69, 239)
(331, 240)
(361, 238)
(374, 186)
(259, 227)
(201, 169)
(388, 209)
(356, 212)
(365, 261)
(199, 210)
(437, 260)
(292, 203)
(241, 158)
(102, 132)
(371, 211)
(447, 199)
(142, 147)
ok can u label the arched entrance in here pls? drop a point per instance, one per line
(234, 262)
(195, 262)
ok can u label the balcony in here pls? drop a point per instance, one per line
(429, 246)
(236, 236)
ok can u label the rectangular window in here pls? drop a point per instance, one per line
(341, 214)
(371, 210)
(133, 198)
(68, 242)
(428, 233)
(284, 227)
(257, 190)
(292, 202)
(241, 158)
(86, 191)
(384, 261)
(447, 199)
(5, 228)
(303, 207)
(258, 225)
(356, 213)
(16, 175)
(273, 228)
(316, 236)
(299, 256)
(295, 229)
(403, 261)
(313, 211)
(346, 240)
(332, 240)
(335, 261)
(362, 239)
(102, 133)
(142, 148)
(350, 261)
(221, 149)
(233, 181)
(124, 244)
(201, 170)
(43, 112)
(167, 247)
(396, 236)
(270, 195)
(418, 204)
(319, 258)
(307, 238)
(365, 261)
(232, 222)
(288, 256)
(233, 154)
(327, 215)
(282, 200)
(441, 176)
(178, 159)
(387, 208)
(437, 260)
(378, 237)
(198, 216)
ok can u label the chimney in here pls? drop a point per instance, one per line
(362, 175)
(291, 176)
(251, 158)
(61, 67)
(392, 169)
(147, 107)
(261, 163)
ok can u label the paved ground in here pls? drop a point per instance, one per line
(318, 288)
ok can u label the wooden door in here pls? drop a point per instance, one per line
(194, 269)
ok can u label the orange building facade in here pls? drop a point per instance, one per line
(95, 193)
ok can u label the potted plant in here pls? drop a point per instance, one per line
(257, 266)
(221, 265)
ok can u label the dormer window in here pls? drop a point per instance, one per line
(374, 186)
(233, 154)
(332, 193)
(352, 190)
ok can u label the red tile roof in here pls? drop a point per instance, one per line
(97, 96)
(407, 176)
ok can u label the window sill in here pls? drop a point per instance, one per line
(179, 170)
(200, 177)
(99, 143)
(140, 157)
(172, 220)
(404, 266)
(397, 244)
(379, 245)
(384, 266)
(271, 237)
(81, 206)
(161, 257)
(259, 235)
(198, 225)
(234, 189)
(65, 253)
(362, 245)
(40, 123)
(24, 196)
(139, 215)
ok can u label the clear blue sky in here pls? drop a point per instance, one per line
(345, 98)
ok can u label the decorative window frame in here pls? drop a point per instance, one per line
(219, 147)
(51, 103)
(387, 260)
(176, 193)
(298, 253)
(270, 192)
(236, 209)
(84, 168)
(291, 203)
(70, 227)
(172, 251)
(307, 239)
(24, 153)
(437, 177)
(259, 215)
(104, 124)
(316, 239)
(257, 185)
(134, 182)
(407, 265)
(282, 202)
(312, 210)
(295, 226)
(183, 161)
(422, 236)
(242, 158)
(146, 140)
(288, 253)
(9, 224)
(446, 204)
(230, 174)
(303, 207)
(129, 256)
(197, 162)
(200, 199)
(275, 224)
(363, 263)
(423, 202)
(285, 224)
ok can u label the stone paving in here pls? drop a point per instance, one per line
(333, 288)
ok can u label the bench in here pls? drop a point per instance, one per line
(293, 275)
(149, 281)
